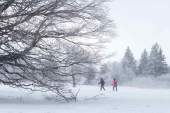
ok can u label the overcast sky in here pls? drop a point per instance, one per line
(139, 24)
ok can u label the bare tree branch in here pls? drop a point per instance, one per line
(42, 40)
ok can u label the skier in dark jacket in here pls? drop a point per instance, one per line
(114, 84)
(102, 83)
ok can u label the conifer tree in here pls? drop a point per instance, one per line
(163, 65)
(128, 61)
(143, 64)
(157, 64)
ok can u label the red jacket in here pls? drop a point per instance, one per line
(114, 83)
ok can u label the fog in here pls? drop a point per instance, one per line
(139, 24)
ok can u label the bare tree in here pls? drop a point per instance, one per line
(35, 34)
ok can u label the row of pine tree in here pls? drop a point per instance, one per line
(153, 63)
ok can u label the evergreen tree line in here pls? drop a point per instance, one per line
(153, 63)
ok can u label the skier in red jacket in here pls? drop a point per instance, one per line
(114, 84)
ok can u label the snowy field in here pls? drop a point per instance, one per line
(90, 100)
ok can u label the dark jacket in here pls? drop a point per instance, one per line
(102, 82)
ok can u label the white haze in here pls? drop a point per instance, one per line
(139, 24)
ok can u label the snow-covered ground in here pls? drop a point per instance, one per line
(90, 100)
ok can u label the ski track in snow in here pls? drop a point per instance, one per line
(90, 100)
